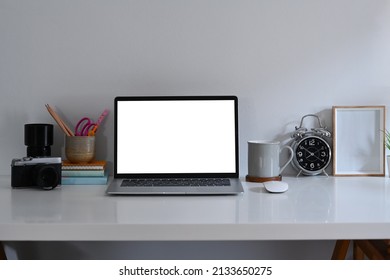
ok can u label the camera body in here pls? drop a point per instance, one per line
(42, 172)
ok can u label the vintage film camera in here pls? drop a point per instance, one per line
(42, 172)
(38, 169)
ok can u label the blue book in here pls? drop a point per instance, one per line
(82, 173)
(85, 180)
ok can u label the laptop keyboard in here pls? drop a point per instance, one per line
(190, 182)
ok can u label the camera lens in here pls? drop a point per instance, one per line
(46, 177)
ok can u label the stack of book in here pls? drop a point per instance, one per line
(92, 173)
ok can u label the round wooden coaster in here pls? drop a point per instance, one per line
(262, 179)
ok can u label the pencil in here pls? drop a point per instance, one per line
(59, 121)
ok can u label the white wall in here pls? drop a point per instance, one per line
(282, 58)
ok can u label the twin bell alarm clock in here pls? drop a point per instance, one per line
(311, 151)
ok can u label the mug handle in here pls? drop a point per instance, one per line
(289, 159)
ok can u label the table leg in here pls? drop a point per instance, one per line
(358, 253)
(340, 249)
(3, 256)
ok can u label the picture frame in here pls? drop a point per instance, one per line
(358, 140)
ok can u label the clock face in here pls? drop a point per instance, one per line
(312, 154)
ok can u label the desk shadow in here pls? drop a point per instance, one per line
(173, 250)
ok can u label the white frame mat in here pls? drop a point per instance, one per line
(358, 140)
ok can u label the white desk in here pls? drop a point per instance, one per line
(313, 208)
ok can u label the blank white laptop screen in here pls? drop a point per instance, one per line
(176, 136)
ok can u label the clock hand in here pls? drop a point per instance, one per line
(317, 152)
(311, 154)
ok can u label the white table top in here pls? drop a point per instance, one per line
(312, 208)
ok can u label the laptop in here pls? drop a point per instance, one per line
(176, 145)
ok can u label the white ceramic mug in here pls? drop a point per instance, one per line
(263, 158)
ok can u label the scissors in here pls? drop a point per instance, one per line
(84, 126)
(98, 123)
